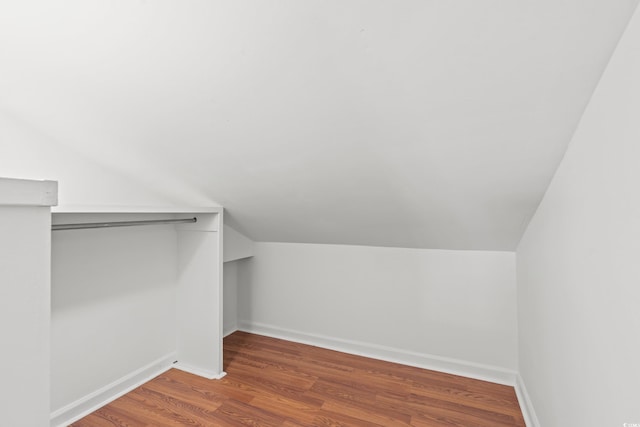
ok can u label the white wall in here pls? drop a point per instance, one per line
(86, 177)
(230, 296)
(578, 264)
(458, 305)
(113, 305)
(236, 245)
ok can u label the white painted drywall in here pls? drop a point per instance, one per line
(113, 305)
(28, 151)
(230, 297)
(578, 264)
(200, 299)
(25, 238)
(432, 124)
(236, 245)
(451, 304)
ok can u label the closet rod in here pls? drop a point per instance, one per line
(57, 227)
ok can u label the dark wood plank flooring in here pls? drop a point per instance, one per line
(272, 382)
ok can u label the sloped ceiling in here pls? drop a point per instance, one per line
(417, 123)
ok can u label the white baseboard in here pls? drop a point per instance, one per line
(526, 406)
(210, 375)
(229, 332)
(88, 404)
(426, 361)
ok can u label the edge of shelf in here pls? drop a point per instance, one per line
(135, 209)
(28, 192)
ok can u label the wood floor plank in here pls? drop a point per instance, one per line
(276, 383)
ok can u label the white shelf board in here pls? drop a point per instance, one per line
(26, 192)
(135, 209)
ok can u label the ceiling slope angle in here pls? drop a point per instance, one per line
(426, 124)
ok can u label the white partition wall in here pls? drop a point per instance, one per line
(199, 346)
(25, 224)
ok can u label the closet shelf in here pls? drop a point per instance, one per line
(134, 209)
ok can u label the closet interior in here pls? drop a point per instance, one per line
(112, 296)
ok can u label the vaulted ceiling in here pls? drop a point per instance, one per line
(419, 123)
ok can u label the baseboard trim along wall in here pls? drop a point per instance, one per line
(199, 372)
(88, 404)
(229, 332)
(529, 414)
(426, 361)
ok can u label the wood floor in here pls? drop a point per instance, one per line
(272, 382)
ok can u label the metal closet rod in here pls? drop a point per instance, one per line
(57, 227)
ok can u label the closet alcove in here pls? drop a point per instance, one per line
(128, 302)
(88, 314)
